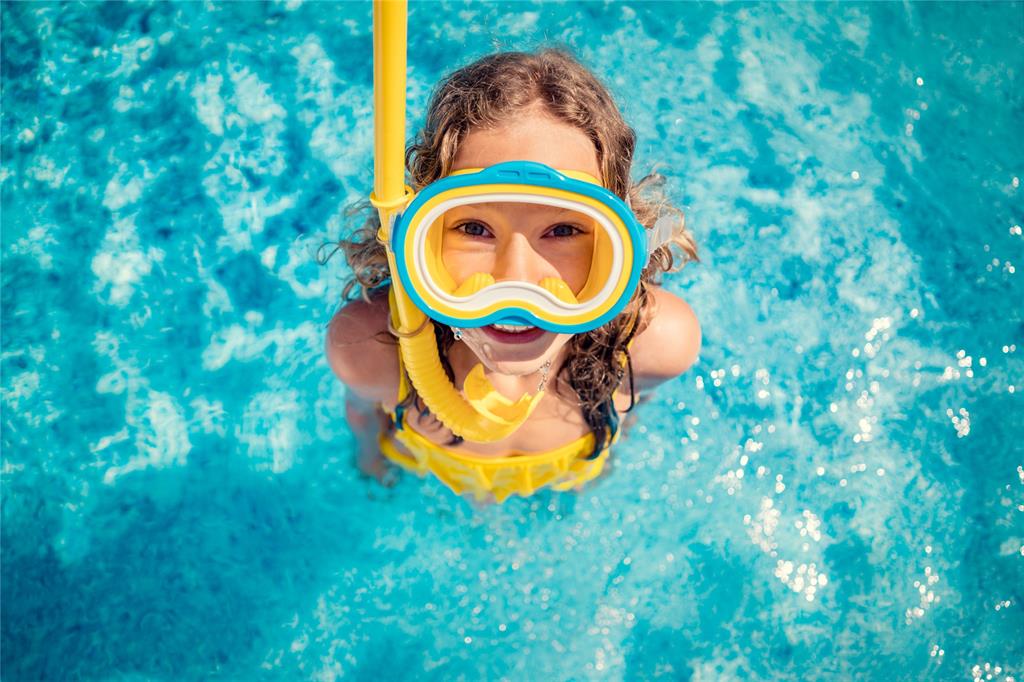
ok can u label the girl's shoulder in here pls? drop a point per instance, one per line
(669, 343)
(361, 352)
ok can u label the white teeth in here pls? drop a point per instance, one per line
(513, 328)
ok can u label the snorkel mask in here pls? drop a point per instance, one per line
(448, 264)
(444, 267)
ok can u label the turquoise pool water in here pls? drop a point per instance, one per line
(834, 492)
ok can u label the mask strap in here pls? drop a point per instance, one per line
(660, 234)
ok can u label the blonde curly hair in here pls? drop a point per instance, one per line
(486, 94)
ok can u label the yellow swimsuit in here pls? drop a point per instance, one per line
(520, 473)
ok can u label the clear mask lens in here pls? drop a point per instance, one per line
(554, 249)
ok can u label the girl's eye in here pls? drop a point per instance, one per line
(473, 229)
(564, 230)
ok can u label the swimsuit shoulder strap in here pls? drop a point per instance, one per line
(403, 381)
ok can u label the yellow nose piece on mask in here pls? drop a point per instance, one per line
(493, 405)
(475, 283)
(559, 289)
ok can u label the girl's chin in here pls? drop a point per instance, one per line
(512, 367)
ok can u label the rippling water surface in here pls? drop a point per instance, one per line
(834, 492)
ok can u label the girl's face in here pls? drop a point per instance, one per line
(521, 241)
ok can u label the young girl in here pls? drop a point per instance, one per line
(548, 109)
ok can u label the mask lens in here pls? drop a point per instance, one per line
(552, 247)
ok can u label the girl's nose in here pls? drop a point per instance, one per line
(517, 260)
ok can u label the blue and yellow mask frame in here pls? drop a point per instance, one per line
(617, 251)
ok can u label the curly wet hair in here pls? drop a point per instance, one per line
(494, 90)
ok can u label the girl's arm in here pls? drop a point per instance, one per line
(362, 356)
(670, 343)
(361, 353)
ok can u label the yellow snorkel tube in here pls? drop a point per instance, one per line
(483, 415)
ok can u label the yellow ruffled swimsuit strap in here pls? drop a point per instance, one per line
(561, 469)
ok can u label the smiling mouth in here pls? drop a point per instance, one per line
(513, 333)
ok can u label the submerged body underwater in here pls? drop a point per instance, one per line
(835, 490)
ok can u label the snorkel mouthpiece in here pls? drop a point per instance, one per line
(496, 407)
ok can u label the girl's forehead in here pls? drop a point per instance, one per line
(531, 137)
